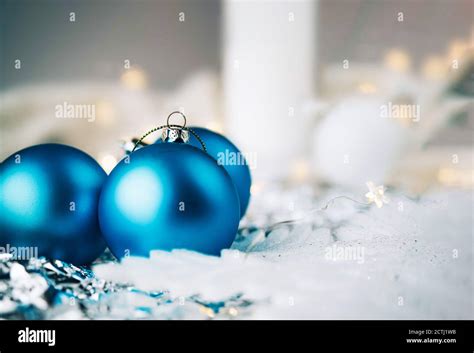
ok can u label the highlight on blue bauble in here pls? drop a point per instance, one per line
(230, 157)
(49, 196)
(168, 196)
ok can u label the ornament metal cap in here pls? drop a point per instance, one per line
(171, 133)
(175, 133)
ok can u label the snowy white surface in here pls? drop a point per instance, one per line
(411, 259)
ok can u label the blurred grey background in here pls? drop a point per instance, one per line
(106, 32)
(230, 65)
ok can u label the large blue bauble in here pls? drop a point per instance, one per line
(168, 196)
(230, 157)
(49, 196)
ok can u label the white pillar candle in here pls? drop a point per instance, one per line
(269, 50)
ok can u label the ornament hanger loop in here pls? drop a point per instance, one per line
(174, 126)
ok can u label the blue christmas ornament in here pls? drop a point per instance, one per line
(168, 196)
(49, 196)
(230, 157)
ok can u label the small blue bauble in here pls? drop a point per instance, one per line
(168, 196)
(49, 196)
(230, 157)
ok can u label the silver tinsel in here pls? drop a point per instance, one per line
(43, 289)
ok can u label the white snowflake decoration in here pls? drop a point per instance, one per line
(376, 194)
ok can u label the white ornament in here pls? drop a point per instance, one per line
(355, 143)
